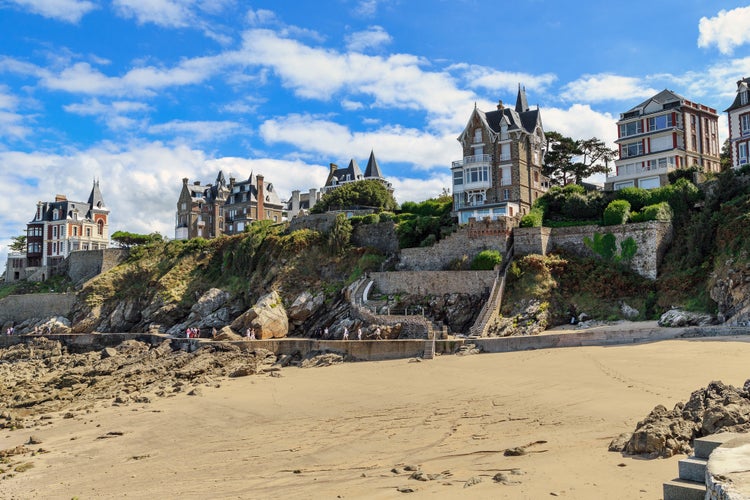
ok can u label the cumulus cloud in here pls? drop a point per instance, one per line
(113, 114)
(579, 121)
(372, 38)
(337, 142)
(606, 87)
(727, 30)
(476, 76)
(12, 124)
(70, 11)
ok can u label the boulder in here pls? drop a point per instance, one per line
(226, 333)
(210, 302)
(680, 318)
(304, 306)
(268, 317)
(629, 312)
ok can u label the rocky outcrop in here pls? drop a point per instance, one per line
(730, 289)
(304, 306)
(208, 312)
(267, 317)
(663, 433)
(680, 318)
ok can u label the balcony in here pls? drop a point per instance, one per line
(634, 171)
(472, 160)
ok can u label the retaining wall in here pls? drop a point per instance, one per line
(434, 282)
(18, 308)
(652, 238)
(85, 264)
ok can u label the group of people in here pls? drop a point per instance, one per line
(10, 330)
(192, 333)
(345, 335)
(250, 333)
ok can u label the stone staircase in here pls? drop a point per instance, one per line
(691, 481)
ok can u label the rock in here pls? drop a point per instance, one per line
(196, 392)
(629, 312)
(210, 302)
(304, 306)
(317, 358)
(227, 334)
(679, 318)
(268, 317)
(108, 352)
(514, 452)
(472, 481)
(34, 440)
(618, 443)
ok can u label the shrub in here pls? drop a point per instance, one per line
(371, 219)
(617, 212)
(486, 260)
(574, 188)
(637, 197)
(534, 218)
(660, 211)
(386, 216)
(579, 206)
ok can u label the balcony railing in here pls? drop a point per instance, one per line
(472, 160)
(633, 171)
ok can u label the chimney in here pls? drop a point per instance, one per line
(196, 183)
(500, 105)
(261, 197)
(60, 197)
(332, 167)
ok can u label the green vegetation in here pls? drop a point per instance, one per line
(128, 240)
(359, 194)
(54, 284)
(568, 160)
(616, 213)
(605, 246)
(423, 224)
(486, 260)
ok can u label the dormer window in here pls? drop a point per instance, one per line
(743, 97)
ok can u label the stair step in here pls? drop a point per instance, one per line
(705, 445)
(692, 469)
(679, 489)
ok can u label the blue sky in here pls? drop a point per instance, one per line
(141, 93)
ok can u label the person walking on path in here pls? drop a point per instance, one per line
(359, 333)
(346, 334)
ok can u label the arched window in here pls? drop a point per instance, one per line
(100, 226)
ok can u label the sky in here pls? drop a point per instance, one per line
(141, 93)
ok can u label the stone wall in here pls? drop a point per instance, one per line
(652, 238)
(434, 282)
(85, 264)
(381, 236)
(468, 241)
(18, 308)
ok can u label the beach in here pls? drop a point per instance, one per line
(437, 428)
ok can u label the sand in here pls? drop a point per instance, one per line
(349, 431)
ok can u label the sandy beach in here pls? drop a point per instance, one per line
(353, 430)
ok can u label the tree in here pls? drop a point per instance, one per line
(568, 160)
(19, 244)
(725, 158)
(365, 194)
(127, 240)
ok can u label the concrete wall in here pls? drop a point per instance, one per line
(84, 265)
(434, 282)
(18, 308)
(652, 238)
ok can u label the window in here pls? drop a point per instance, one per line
(632, 149)
(54, 231)
(100, 227)
(632, 128)
(478, 135)
(623, 185)
(745, 124)
(88, 232)
(742, 152)
(75, 231)
(648, 183)
(458, 177)
(660, 122)
(506, 194)
(477, 174)
(743, 97)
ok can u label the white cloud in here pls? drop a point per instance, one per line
(199, 131)
(167, 13)
(70, 11)
(12, 123)
(491, 79)
(727, 30)
(372, 38)
(410, 189)
(113, 114)
(579, 121)
(350, 105)
(338, 143)
(367, 8)
(605, 87)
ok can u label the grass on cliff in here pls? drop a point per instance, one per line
(574, 285)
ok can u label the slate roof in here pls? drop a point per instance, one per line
(662, 98)
(372, 169)
(742, 86)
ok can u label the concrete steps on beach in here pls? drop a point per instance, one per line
(691, 483)
(429, 349)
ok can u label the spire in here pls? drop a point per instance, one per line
(354, 170)
(220, 180)
(521, 103)
(373, 169)
(96, 202)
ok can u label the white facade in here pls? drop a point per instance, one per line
(739, 125)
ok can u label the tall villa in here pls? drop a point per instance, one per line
(664, 133)
(501, 170)
(208, 211)
(303, 202)
(58, 228)
(739, 124)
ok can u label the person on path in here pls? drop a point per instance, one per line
(377, 334)
(359, 333)
(346, 334)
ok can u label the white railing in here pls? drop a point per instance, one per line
(627, 171)
(470, 160)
